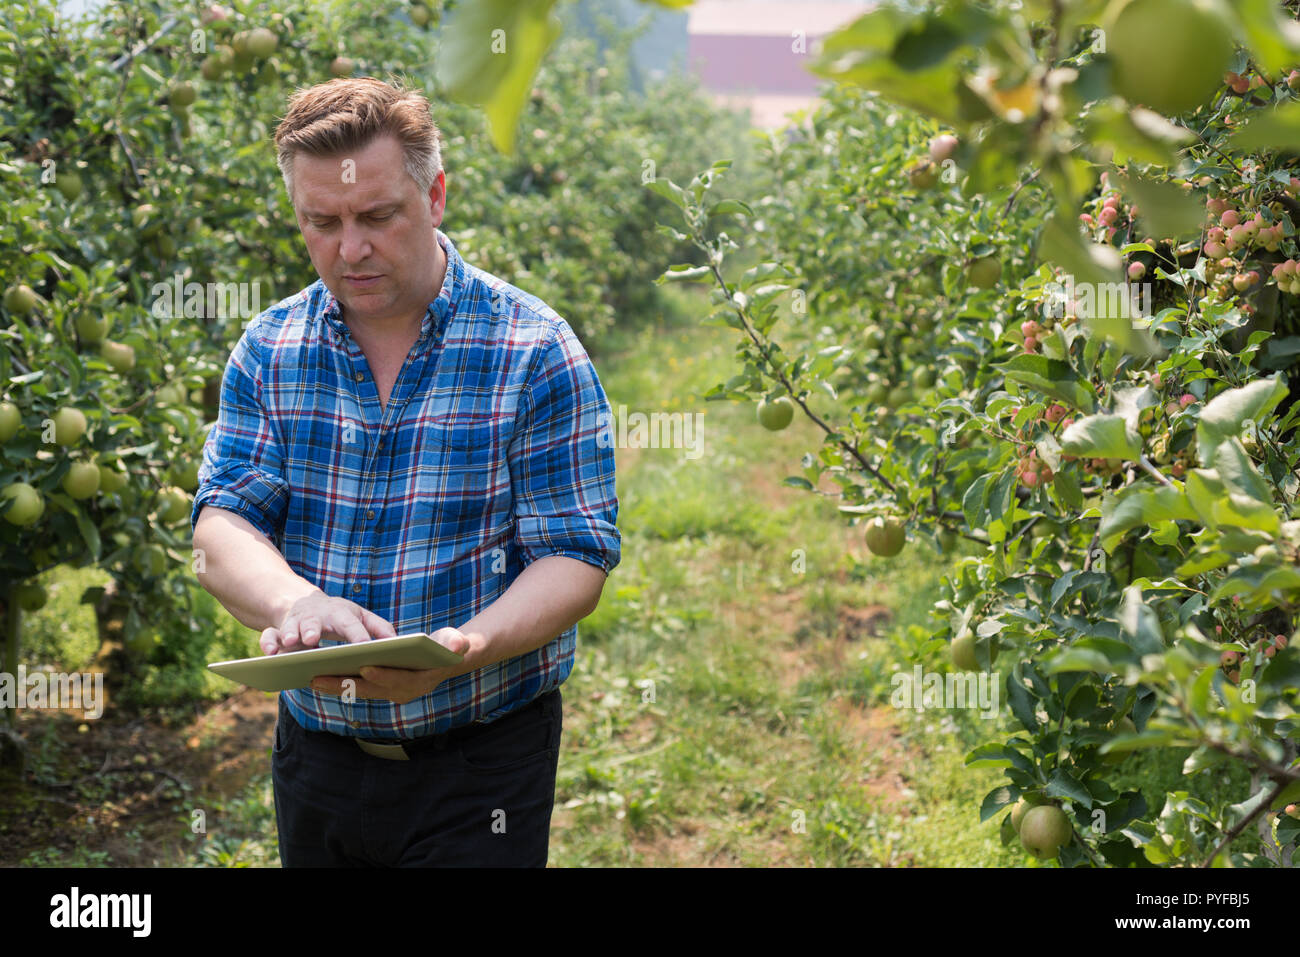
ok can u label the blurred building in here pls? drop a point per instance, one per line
(753, 54)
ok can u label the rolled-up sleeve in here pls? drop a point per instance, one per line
(562, 462)
(243, 460)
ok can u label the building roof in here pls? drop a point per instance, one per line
(770, 17)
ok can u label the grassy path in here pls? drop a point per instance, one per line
(730, 704)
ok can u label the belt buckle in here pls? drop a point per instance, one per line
(393, 752)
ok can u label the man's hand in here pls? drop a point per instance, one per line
(401, 684)
(318, 615)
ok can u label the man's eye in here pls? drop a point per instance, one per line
(383, 218)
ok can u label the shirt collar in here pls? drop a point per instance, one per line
(439, 312)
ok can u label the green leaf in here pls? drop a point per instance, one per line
(995, 801)
(683, 273)
(669, 191)
(1103, 436)
(1278, 128)
(909, 57)
(1087, 262)
(490, 52)
(1163, 207)
(1139, 623)
(1022, 704)
(1227, 412)
(1061, 784)
(1135, 506)
(1051, 377)
(1273, 41)
(731, 206)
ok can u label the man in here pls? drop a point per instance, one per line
(408, 444)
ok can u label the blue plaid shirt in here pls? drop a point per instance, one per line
(486, 458)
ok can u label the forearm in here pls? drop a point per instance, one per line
(242, 569)
(548, 597)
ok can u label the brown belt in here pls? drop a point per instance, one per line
(403, 750)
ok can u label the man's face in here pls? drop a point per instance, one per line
(370, 231)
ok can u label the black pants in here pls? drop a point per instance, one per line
(482, 799)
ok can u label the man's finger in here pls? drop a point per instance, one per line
(310, 631)
(394, 678)
(347, 626)
(289, 633)
(377, 625)
(269, 641)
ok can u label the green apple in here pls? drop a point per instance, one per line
(885, 536)
(342, 66)
(899, 396)
(963, 651)
(82, 480)
(182, 94)
(985, 272)
(1018, 813)
(91, 328)
(420, 15)
(212, 68)
(1044, 830)
(923, 176)
(187, 478)
(172, 393)
(69, 426)
(119, 356)
(923, 377)
(20, 300)
(69, 184)
(173, 504)
(151, 559)
(947, 539)
(31, 596)
(1021, 806)
(27, 504)
(777, 414)
(143, 215)
(261, 42)
(112, 477)
(11, 421)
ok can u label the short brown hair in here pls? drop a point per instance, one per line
(344, 115)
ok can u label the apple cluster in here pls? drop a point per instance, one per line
(1231, 658)
(1108, 213)
(1235, 232)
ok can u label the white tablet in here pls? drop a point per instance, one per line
(296, 669)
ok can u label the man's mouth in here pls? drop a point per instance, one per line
(361, 280)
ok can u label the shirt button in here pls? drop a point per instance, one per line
(355, 724)
(360, 376)
(381, 443)
(370, 513)
(356, 588)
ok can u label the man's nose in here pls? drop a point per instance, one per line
(354, 246)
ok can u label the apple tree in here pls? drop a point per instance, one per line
(1033, 278)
